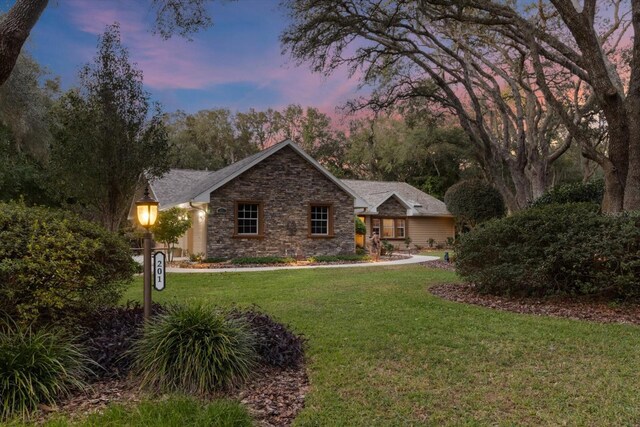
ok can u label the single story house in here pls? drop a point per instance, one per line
(282, 202)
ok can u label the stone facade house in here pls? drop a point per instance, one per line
(282, 202)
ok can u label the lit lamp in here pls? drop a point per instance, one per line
(147, 213)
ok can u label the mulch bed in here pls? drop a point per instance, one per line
(571, 308)
(273, 397)
(440, 264)
(187, 264)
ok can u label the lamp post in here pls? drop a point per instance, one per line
(147, 213)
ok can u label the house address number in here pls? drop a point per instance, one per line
(159, 276)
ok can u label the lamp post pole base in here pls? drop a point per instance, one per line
(147, 275)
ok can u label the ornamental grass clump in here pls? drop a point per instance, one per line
(36, 367)
(194, 349)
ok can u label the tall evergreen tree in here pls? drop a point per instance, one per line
(107, 135)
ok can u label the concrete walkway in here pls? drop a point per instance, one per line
(415, 259)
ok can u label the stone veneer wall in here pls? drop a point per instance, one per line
(286, 184)
(392, 208)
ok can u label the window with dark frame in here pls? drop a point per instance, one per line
(400, 229)
(389, 228)
(375, 226)
(319, 220)
(248, 217)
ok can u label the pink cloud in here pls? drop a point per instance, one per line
(180, 64)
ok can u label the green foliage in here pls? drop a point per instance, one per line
(215, 260)
(107, 135)
(555, 249)
(55, 266)
(22, 176)
(25, 100)
(36, 367)
(420, 152)
(194, 349)
(431, 242)
(338, 258)
(387, 248)
(474, 202)
(361, 228)
(199, 257)
(212, 139)
(170, 226)
(591, 192)
(263, 260)
(407, 241)
(176, 411)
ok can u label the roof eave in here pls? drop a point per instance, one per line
(204, 196)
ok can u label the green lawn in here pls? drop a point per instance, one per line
(383, 351)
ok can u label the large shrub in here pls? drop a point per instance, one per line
(275, 344)
(556, 249)
(591, 191)
(194, 349)
(36, 367)
(54, 265)
(473, 202)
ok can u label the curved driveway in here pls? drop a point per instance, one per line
(415, 259)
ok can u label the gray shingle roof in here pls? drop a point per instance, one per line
(175, 186)
(377, 192)
(182, 186)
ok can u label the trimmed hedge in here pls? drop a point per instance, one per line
(55, 266)
(338, 258)
(568, 249)
(589, 192)
(263, 260)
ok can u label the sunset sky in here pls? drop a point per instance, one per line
(236, 64)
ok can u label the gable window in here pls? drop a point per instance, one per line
(320, 220)
(248, 219)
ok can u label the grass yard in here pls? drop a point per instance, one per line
(383, 351)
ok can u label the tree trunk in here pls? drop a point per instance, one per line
(613, 189)
(14, 30)
(632, 185)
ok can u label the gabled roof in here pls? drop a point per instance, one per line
(220, 177)
(178, 186)
(418, 203)
(398, 197)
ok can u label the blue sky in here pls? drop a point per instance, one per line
(236, 64)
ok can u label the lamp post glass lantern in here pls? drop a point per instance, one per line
(147, 213)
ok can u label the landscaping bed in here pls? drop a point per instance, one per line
(583, 309)
(290, 262)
